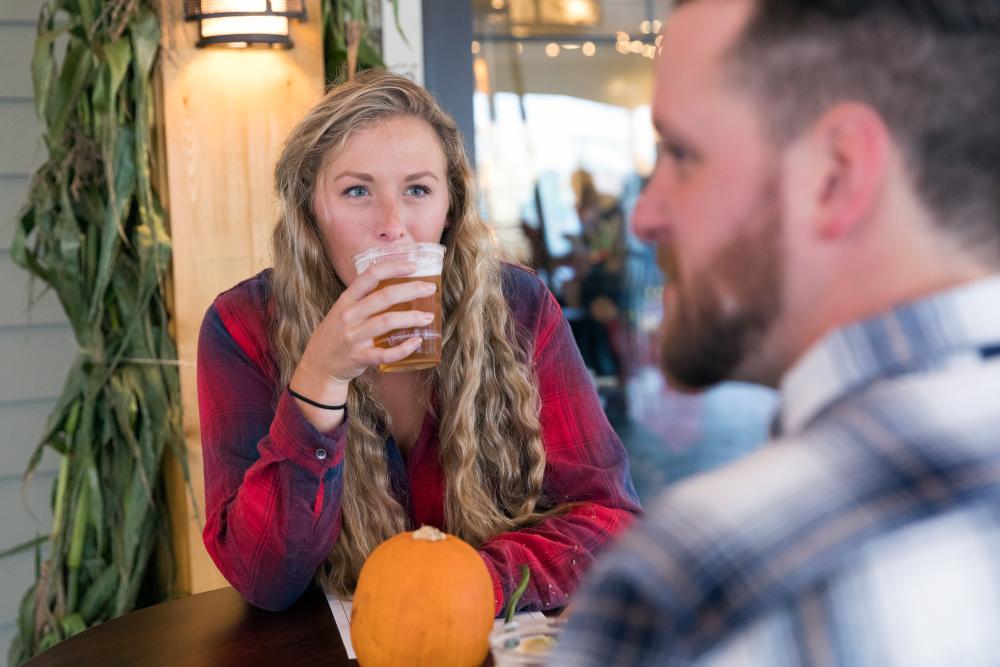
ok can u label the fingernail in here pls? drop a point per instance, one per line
(427, 318)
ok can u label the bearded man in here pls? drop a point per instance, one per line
(827, 210)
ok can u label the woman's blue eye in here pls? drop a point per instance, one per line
(356, 191)
(417, 191)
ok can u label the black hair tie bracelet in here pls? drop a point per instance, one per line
(322, 406)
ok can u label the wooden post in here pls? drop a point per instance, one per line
(225, 114)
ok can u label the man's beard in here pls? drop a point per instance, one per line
(709, 335)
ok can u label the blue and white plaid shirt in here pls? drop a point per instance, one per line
(866, 533)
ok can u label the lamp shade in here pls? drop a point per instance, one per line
(244, 22)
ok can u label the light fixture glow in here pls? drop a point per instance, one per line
(580, 12)
(241, 23)
(589, 49)
(552, 49)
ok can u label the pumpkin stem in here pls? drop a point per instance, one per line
(518, 592)
(428, 534)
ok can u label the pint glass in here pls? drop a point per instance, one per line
(428, 257)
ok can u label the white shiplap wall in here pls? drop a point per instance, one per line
(36, 344)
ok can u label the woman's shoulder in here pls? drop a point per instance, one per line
(242, 310)
(527, 296)
(521, 284)
(241, 314)
(247, 297)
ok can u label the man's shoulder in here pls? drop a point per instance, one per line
(728, 530)
(754, 486)
(732, 511)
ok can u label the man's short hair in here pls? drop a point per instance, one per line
(930, 68)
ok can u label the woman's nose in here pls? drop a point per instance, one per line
(389, 227)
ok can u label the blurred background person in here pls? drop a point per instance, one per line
(598, 259)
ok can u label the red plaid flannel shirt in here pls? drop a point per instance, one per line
(273, 483)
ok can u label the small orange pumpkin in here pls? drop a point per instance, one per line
(423, 598)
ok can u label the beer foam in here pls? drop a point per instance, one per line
(428, 258)
(425, 268)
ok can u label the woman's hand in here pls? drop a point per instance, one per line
(342, 346)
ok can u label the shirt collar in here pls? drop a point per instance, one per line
(945, 327)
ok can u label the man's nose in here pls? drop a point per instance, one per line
(648, 217)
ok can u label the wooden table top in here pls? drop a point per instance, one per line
(216, 628)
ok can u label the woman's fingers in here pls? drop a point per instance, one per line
(397, 353)
(383, 299)
(390, 321)
(368, 280)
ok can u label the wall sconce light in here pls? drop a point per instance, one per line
(555, 13)
(242, 23)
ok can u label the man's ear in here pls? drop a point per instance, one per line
(851, 144)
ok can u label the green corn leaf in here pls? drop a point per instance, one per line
(102, 97)
(24, 546)
(17, 653)
(76, 71)
(96, 508)
(49, 640)
(120, 193)
(43, 67)
(26, 618)
(72, 591)
(88, 13)
(60, 502)
(72, 625)
(138, 541)
(145, 35)
(356, 10)
(399, 26)
(119, 56)
(98, 594)
(146, 544)
(368, 55)
(81, 514)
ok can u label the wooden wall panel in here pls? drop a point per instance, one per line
(225, 114)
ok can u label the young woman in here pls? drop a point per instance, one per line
(504, 443)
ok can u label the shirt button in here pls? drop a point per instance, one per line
(321, 454)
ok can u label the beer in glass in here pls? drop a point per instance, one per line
(428, 257)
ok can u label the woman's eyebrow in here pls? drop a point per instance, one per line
(354, 174)
(421, 174)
